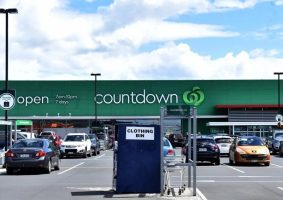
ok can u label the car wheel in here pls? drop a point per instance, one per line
(57, 167)
(90, 153)
(9, 170)
(217, 161)
(85, 154)
(95, 152)
(267, 164)
(48, 167)
(231, 161)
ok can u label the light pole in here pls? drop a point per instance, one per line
(7, 12)
(95, 92)
(278, 74)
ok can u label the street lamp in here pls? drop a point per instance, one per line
(7, 12)
(95, 92)
(278, 74)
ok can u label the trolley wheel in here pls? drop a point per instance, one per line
(168, 192)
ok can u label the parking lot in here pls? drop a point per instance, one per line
(91, 178)
(241, 182)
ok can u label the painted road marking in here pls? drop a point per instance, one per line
(96, 157)
(206, 181)
(280, 188)
(243, 181)
(70, 168)
(201, 194)
(234, 168)
(256, 176)
(277, 165)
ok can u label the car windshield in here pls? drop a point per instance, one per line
(252, 141)
(166, 143)
(28, 144)
(223, 140)
(204, 141)
(279, 134)
(91, 136)
(279, 138)
(100, 136)
(45, 133)
(74, 138)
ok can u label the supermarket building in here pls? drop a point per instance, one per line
(230, 106)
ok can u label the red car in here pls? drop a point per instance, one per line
(54, 138)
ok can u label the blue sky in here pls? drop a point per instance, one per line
(143, 39)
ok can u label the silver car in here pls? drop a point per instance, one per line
(224, 143)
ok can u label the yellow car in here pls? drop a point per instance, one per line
(249, 149)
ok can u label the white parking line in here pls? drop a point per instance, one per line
(95, 158)
(280, 188)
(206, 181)
(201, 195)
(234, 168)
(70, 168)
(256, 176)
(277, 165)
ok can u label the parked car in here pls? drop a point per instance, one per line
(249, 149)
(47, 133)
(28, 135)
(32, 153)
(281, 149)
(55, 139)
(207, 150)
(276, 143)
(176, 139)
(104, 140)
(14, 138)
(223, 143)
(268, 141)
(76, 144)
(168, 149)
(95, 144)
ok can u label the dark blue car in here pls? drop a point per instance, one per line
(32, 153)
(95, 144)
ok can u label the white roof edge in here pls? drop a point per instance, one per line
(106, 117)
(242, 123)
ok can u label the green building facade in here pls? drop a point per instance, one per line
(138, 99)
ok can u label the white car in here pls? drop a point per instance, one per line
(76, 144)
(224, 143)
(28, 135)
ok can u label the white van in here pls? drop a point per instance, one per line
(28, 135)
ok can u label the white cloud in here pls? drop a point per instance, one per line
(50, 41)
(146, 31)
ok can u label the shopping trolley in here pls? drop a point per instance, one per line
(174, 166)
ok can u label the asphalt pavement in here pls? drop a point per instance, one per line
(78, 179)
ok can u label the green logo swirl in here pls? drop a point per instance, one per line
(194, 97)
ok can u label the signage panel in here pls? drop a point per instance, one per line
(24, 123)
(139, 133)
(178, 110)
(7, 99)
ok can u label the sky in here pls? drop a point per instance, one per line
(143, 39)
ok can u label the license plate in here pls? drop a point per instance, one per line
(254, 161)
(24, 155)
(70, 152)
(202, 149)
(224, 145)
